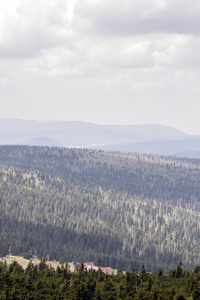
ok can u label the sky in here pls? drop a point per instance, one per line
(100, 61)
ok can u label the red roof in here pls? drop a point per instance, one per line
(107, 270)
(91, 264)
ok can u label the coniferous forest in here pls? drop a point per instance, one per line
(122, 209)
(44, 282)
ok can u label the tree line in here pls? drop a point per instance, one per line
(42, 281)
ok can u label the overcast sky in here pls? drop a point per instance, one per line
(101, 61)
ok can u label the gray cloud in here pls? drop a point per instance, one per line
(139, 17)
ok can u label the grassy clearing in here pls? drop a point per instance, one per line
(24, 262)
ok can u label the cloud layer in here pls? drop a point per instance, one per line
(94, 55)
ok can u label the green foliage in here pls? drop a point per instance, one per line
(122, 209)
(47, 283)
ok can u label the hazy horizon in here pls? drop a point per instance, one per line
(106, 124)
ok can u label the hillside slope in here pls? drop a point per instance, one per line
(68, 204)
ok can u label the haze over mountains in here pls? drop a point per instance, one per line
(150, 139)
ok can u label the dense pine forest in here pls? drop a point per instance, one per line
(44, 282)
(122, 209)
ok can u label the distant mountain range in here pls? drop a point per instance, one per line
(149, 138)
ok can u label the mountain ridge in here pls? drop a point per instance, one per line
(143, 138)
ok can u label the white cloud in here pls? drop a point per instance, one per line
(32, 26)
(141, 54)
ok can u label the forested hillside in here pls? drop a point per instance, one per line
(122, 209)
